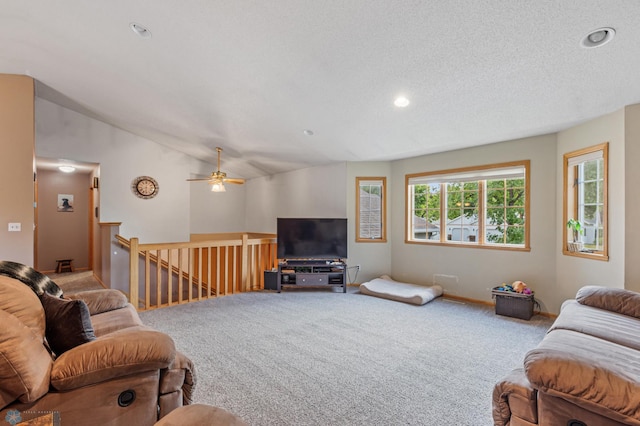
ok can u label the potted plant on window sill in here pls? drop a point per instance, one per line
(576, 229)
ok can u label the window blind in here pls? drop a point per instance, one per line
(513, 172)
(589, 156)
(370, 183)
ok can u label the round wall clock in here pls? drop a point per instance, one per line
(145, 187)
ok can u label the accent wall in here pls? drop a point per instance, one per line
(17, 138)
(63, 233)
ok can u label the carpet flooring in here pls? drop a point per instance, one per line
(319, 357)
(71, 282)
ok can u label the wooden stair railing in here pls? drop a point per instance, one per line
(166, 274)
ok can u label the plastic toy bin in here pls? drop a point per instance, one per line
(515, 305)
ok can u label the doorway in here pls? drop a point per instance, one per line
(66, 221)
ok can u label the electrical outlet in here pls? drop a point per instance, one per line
(358, 266)
(15, 227)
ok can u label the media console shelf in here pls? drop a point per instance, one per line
(312, 273)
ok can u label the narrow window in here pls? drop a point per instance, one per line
(585, 203)
(371, 209)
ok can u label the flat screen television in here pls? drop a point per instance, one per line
(312, 238)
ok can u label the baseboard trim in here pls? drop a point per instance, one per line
(476, 301)
(97, 278)
(484, 302)
(53, 271)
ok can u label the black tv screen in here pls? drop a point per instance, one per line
(312, 238)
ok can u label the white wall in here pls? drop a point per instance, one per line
(311, 192)
(213, 212)
(62, 133)
(574, 272)
(632, 198)
(264, 195)
(472, 272)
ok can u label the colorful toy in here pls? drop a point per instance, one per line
(515, 287)
(518, 286)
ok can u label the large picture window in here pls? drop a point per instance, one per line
(371, 209)
(484, 206)
(585, 202)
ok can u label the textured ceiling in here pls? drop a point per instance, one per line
(250, 76)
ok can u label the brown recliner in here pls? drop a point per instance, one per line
(129, 374)
(584, 372)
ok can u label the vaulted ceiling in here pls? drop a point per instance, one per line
(252, 76)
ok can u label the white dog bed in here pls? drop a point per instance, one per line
(387, 288)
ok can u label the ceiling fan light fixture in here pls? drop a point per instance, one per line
(217, 179)
(218, 186)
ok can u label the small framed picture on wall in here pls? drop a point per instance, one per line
(65, 202)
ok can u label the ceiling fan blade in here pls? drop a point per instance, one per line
(234, 180)
(218, 176)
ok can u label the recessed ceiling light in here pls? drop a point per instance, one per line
(67, 169)
(308, 132)
(401, 102)
(597, 38)
(140, 30)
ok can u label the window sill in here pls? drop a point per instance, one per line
(586, 255)
(371, 240)
(469, 245)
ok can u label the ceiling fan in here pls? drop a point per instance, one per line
(218, 178)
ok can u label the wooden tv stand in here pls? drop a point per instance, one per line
(312, 273)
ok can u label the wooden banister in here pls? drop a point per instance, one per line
(165, 274)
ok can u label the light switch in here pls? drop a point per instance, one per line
(15, 227)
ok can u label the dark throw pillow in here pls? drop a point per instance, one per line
(68, 323)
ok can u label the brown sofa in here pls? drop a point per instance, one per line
(124, 373)
(586, 370)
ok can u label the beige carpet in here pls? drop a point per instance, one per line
(323, 358)
(71, 282)
(320, 357)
